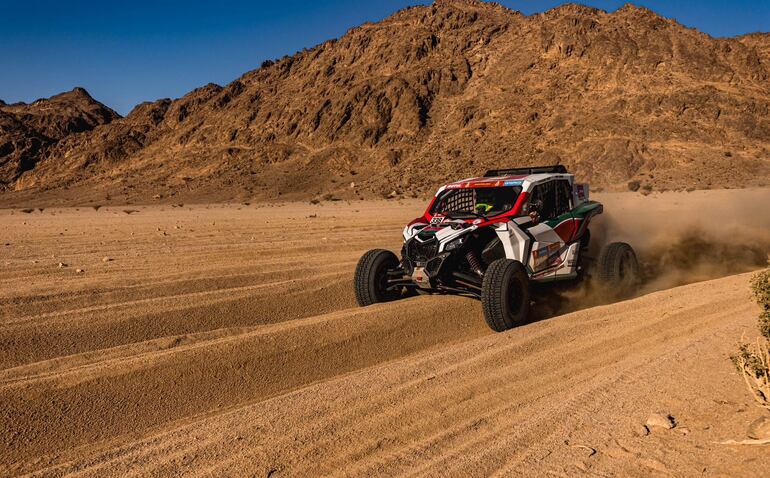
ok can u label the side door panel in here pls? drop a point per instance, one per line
(545, 249)
(564, 226)
(553, 253)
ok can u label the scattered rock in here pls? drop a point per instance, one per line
(759, 429)
(591, 450)
(352, 185)
(683, 430)
(106, 259)
(62, 264)
(79, 271)
(661, 421)
(641, 430)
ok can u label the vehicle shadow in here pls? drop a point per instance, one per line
(550, 301)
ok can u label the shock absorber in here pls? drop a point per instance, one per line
(474, 262)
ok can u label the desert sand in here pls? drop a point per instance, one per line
(224, 340)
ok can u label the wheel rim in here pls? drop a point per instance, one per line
(515, 298)
(381, 280)
(626, 272)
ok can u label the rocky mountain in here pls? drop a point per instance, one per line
(435, 93)
(28, 131)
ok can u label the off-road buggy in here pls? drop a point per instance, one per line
(494, 238)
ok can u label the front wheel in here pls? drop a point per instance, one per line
(505, 295)
(371, 277)
(617, 269)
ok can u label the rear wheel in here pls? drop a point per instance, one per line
(617, 269)
(505, 295)
(371, 277)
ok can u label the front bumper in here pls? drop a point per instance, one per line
(422, 262)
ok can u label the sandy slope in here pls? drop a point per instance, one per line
(224, 340)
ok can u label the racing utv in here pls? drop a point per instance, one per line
(495, 237)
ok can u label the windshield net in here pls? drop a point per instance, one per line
(473, 202)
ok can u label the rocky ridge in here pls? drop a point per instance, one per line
(435, 93)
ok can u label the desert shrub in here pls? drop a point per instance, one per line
(753, 360)
(760, 289)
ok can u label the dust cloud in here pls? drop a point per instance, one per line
(688, 237)
(679, 238)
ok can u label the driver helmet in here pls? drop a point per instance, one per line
(485, 200)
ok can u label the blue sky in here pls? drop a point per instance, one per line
(126, 53)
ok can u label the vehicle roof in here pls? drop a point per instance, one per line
(524, 180)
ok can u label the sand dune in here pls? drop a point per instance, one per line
(225, 340)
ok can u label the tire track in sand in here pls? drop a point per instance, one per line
(154, 388)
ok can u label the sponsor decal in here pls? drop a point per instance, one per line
(482, 184)
(543, 251)
(545, 256)
(437, 219)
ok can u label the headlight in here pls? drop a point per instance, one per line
(454, 244)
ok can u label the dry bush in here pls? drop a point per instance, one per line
(753, 360)
(760, 289)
